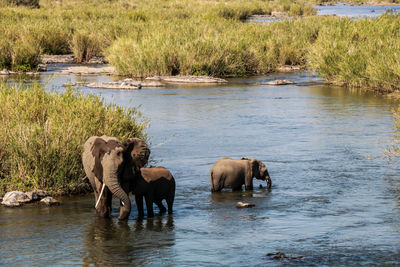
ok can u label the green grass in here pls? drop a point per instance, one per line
(361, 53)
(224, 49)
(43, 134)
(89, 28)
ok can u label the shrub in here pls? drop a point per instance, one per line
(42, 136)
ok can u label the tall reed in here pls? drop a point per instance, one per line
(42, 136)
(361, 53)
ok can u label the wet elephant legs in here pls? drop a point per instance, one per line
(149, 205)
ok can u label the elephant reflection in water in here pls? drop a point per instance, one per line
(155, 224)
(106, 243)
(110, 243)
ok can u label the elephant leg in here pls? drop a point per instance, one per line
(139, 205)
(103, 209)
(170, 203)
(237, 188)
(160, 206)
(249, 187)
(149, 205)
(108, 196)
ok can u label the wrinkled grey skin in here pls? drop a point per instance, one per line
(230, 173)
(107, 160)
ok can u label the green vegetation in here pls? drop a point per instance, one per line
(43, 135)
(88, 28)
(158, 37)
(360, 53)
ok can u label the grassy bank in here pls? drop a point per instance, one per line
(361, 53)
(223, 48)
(88, 28)
(43, 135)
(210, 38)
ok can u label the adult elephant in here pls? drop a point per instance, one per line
(154, 185)
(230, 173)
(110, 167)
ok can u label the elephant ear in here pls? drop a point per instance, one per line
(99, 148)
(255, 166)
(138, 150)
(98, 151)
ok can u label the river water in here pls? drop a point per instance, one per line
(333, 199)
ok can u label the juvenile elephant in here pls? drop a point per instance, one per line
(230, 173)
(110, 166)
(154, 184)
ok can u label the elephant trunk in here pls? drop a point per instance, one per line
(268, 179)
(111, 181)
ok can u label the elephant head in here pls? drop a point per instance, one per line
(259, 171)
(137, 152)
(113, 165)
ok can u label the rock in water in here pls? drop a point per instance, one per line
(36, 195)
(244, 205)
(187, 79)
(15, 199)
(49, 201)
(278, 82)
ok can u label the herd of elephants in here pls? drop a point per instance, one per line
(115, 168)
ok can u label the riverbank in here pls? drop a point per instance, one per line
(174, 38)
(44, 133)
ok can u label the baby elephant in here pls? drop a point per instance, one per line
(230, 173)
(154, 184)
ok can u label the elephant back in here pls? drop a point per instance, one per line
(153, 174)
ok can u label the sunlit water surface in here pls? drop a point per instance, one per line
(333, 200)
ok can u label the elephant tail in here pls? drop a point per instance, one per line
(212, 181)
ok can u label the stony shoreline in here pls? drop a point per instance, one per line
(18, 198)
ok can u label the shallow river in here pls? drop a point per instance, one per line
(333, 199)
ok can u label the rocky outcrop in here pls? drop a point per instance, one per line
(17, 198)
(288, 68)
(36, 195)
(9, 72)
(244, 205)
(278, 82)
(68, 59)
(52, 59)
(83, 70)
(127, 84)
(187, 79)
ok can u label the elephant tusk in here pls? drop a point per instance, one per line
(101, 193)
(123, 204)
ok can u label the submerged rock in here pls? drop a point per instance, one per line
(49, 201)
(278, 82)
(187, 79)
(244, 205)
(281, 255)
(15, 199)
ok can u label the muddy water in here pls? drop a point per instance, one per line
(333, 199)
